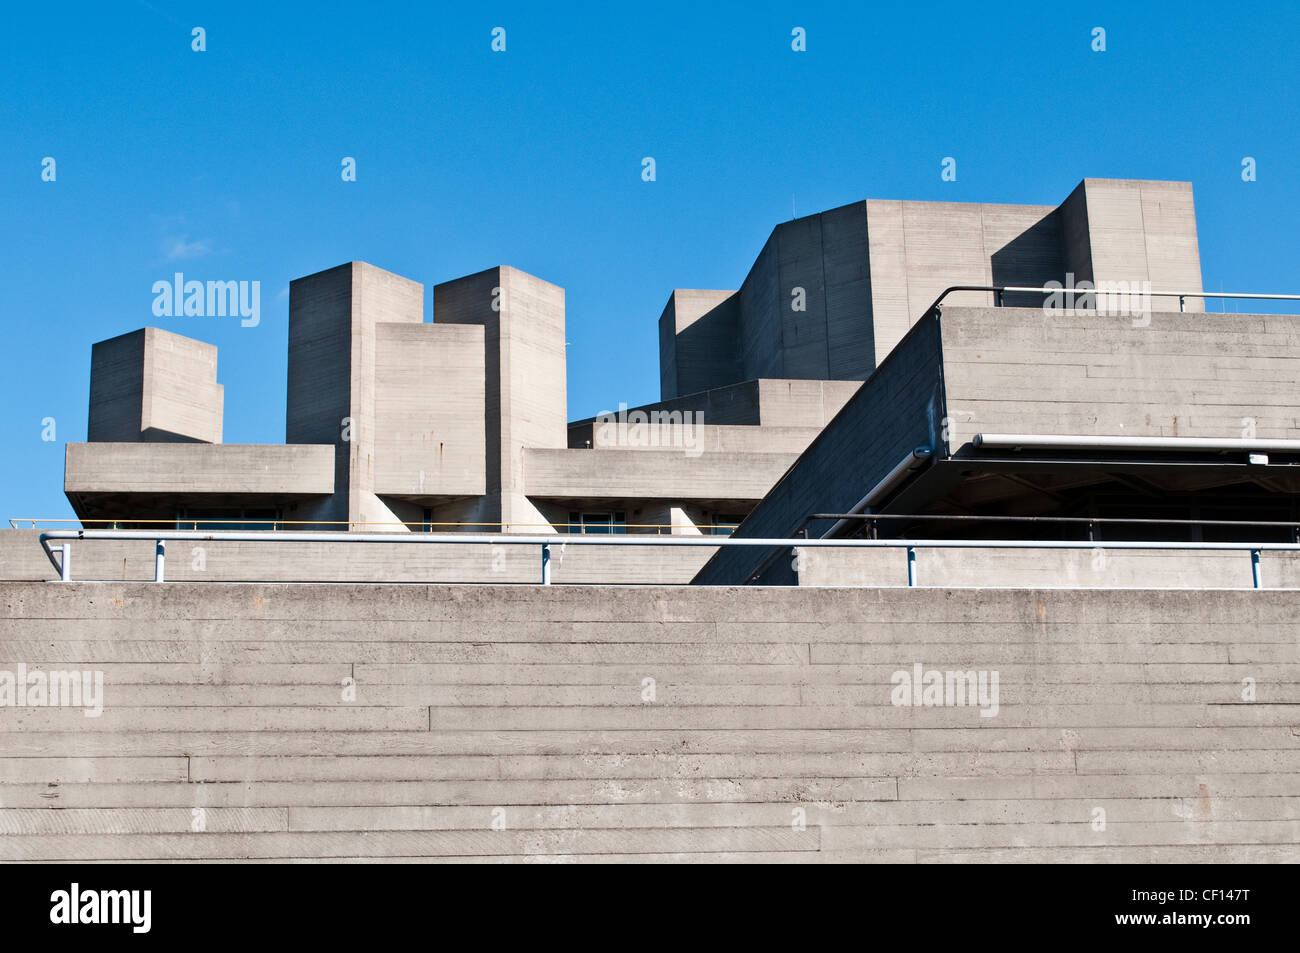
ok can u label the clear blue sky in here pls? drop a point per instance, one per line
(225, 164)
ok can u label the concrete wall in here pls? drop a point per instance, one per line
(866, 272)
(919, 249)
(754, 403)
(1097, 568)
(899, 409)
(673, 438)
(698, 335)
(154, 386)
(1181, 375)
(766, 703)
(640, 475)
(21, 558)
(227, 469)
(869, 270)
(1129, 230)
(429, 410)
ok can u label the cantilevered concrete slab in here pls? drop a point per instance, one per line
(1225, 380)
(112, 480)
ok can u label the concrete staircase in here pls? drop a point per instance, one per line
(413, 722)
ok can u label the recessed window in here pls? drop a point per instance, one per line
(724, 524)
(598, 522)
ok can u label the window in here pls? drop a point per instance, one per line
(606, 522)
(725, 524)
(233, 518)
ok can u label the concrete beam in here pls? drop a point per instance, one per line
(197, 468)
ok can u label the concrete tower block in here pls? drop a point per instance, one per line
(429, 434)
(698, 342)
(1131, 230)
(523, 320)
(333, 345)
(152, 386)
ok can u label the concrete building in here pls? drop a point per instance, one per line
(273, 719)
(797, 393)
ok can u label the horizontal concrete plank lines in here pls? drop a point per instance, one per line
(199, 468)
(263, 722)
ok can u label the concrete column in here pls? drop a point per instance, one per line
(333, 343)
(523, 320)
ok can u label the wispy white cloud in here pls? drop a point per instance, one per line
(179, 247)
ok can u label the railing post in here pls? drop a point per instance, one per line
(65, 564)
(159, 558)
(1182, 302)
(1254, 567)
(911, 566)
(546, 564)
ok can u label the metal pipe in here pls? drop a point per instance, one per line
(65, 564)
(1068, 441)
(916, 458)
(1255, 569)
(998, 290)
(546, 564)
(911, 566)
(629, 540)
(1099, 520)
(159, 559)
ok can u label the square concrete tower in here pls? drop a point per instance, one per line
(152, 386)
(697, 341)
(523, 321)
(333, 346)
(1134, 230)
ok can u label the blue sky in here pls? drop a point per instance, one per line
(225, 164)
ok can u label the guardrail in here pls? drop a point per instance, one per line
(420, 526)
(999, 290)
(160, 539)
(1092, 523)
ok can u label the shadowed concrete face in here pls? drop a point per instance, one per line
(153, 386)
(697, 341)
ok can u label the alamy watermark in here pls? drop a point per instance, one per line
(75, 905)
(932, 688)
(682, 429)
(1129, 299)
(56, 689)
(213, 299)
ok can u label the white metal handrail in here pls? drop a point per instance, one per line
(160, 539)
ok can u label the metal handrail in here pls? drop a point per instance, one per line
(276, 523)
(1088, 520)
(160, 540)
(999, 290)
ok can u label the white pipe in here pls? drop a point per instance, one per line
(1067, 442)
(282, 536)
(891, 479)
